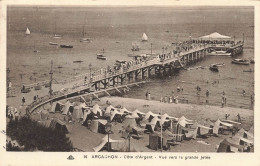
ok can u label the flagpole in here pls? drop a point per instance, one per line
(161, 133)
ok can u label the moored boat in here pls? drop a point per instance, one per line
(27, 32)
(66, 46)
(252, 61)
(135, 47)
(51, 43)
(144, 37)
(79, 61)
(101, 56)
(250, 70)
(219, 53)
(213, 67)
(241, 61)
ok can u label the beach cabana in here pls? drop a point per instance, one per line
(97, 110)
(221, 125)
(110, 109)
(98, 126)
(139, 113)
(116, 115)
(56, 107)
(227, 145)
(77, 113)
(104, 142)
(183, 125)
(149, 115)
(67, 107)
(124, 110)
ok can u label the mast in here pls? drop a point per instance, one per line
(51, 73)
(83, 31)
(161, 133)
(151, 49)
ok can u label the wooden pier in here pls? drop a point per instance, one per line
(161, 65)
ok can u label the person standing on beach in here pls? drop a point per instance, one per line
(23, 101)
(226, 116)
(238, 118)
(244, 93)
(207, 93)
(146, 95)
(149, 96)
(161, 99)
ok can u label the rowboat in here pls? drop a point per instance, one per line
(51, 43)
(66, 46)
(213, 67)
(101, 56)
(241, 61)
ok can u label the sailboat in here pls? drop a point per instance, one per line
(27, 32)
(56, 36)
(144, 37)
(83, 39)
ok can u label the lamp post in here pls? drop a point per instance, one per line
(108, 128)
(90, 67)
(129, 132)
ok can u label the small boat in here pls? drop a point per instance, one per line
(117, 41)
(59, 67)
(51, 43)
(79, 61)
(66, 46)
(101, 56)
(219, 53)
(83, 39)
(27, 32)
(167, 31)
(57, 36)
(250, 70)
(135, 47)
(120, 61)
(219, 64)
(241, 61)
(213, 67)
(36, 51)
(252, 61)
(144, 38)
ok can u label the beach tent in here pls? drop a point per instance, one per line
(214, 36)
(219, 124)
(149, 115)
(155, 122)
(98, 126)
(134, 115)
(109, 109)
(182, 124)
(168, 117)
(97, 110)
(227, 145)
(155, 139)
(67, 107)
(201, 130)
(116, 114)
(124, 110)
(139, 113)
(56, 107)
(87, 115)
(59, 125)
(77, 113)
(44, 114)
(104, 142)
(130, 122)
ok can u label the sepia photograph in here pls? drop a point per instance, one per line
(169, 79)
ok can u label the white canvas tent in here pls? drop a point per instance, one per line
(138, 112)
(219, 124)
(96, 109)
(114, 113)
(110, 109)
(124, 110)
(66, 108)
(104, 141)
(214, 36)
(148, 114)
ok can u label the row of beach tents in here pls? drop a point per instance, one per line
(174, 128)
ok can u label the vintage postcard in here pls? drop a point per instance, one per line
(171, 82)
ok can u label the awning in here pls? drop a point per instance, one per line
(214, 35)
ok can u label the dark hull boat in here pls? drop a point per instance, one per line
(213, 68)
(66, 46)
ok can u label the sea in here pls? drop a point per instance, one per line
(115, 29)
